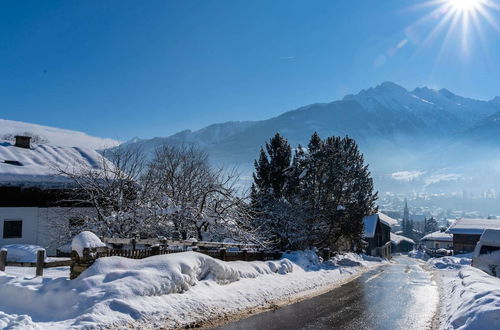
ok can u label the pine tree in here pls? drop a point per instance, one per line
(280, 156)
(272, 182)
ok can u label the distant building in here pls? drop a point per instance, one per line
(401, 243)
(377, 229)
(438, 240)
(467, 232)
(33, 196)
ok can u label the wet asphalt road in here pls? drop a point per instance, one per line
(399, 295)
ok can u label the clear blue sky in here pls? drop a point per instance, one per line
(151, 68)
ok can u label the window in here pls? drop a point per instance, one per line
(12, 229)
(488, 249)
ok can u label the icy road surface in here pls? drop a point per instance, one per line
(398, 295)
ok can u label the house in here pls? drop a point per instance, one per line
(467, 232)
(438, 240)
(377, 229)
(401, 243)
(34, 203)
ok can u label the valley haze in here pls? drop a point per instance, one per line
(418, 142)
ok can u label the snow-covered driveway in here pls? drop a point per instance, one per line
(397, 295)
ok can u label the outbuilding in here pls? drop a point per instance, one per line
(467, 232)
(401, 243)
(438, 240)
(377, 229)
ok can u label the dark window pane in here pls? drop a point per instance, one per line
(12, 229)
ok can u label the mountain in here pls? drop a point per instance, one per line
(398, 130)
(55, 136)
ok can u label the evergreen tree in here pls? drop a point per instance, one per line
(431, 225)
(280, 156)
(318, 198)
(272, 181)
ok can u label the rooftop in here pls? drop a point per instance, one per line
(39, 164)
(473, 226)
(396, 239)
(438, 236)
(370, 223)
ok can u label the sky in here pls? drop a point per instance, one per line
(124, 68)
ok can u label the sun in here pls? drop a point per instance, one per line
(457, 23)
(465, 5)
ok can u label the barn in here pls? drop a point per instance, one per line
(377, 229)
(467, 232)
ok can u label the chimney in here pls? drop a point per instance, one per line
(22, 141)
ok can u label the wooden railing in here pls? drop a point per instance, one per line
(40, 263)
(89, 255)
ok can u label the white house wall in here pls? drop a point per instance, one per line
(40, 225)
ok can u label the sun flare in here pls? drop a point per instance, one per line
(465, 5)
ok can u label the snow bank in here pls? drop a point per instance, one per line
(22, 252)
(167, 291)
(450, 262)
(470, 297)
(85, 239)
(419, 254)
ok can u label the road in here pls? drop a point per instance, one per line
(399, 295)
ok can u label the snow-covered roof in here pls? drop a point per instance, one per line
(473, 226)
(491, 236)
(387, 219)
(438, 236)
(38, 165)
(396, 239)
(370, 223)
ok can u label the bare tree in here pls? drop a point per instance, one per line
(112, 188)
(207, 202)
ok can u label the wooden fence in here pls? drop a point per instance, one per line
(80, 263)
(40, 263)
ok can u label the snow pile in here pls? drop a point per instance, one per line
(418, 254)
(451, 262)
(167, 291)
(85, 239)
(471, 297)
(304, 259)
(22, 252)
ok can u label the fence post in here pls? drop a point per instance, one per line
(245, 254)
(222, 252)
(155, 250)
(133, 244)
(40, 260)
(3, 259)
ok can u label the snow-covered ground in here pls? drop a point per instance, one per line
(470, 298)
(169, 290)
